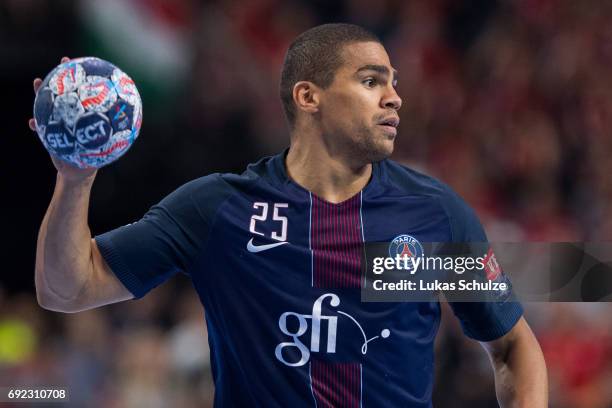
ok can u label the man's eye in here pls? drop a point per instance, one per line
(370, 82)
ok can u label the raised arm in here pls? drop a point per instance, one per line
(520, 369)
(70, 273)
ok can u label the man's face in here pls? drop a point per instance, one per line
(358, 111)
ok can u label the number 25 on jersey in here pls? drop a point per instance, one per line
(279, 233)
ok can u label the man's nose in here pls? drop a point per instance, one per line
(391, 99)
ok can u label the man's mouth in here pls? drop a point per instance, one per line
(390, 124)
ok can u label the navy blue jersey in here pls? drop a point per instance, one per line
(278, 271)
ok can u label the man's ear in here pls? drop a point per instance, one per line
(306, 96)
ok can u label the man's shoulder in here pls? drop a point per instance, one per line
(224, 183)
(411, 181)
(210, 191)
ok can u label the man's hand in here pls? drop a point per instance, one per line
(520, 370)
(66, 172)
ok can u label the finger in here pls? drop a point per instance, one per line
(36, 84)
(32, 124)
(65, 59)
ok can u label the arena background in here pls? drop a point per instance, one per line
(509, 102)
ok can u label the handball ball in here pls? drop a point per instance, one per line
(88, 112)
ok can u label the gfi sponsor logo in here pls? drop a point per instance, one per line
(316, 317)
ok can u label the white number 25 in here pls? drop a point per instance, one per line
(263, 216)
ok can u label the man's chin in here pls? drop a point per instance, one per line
(381, 152)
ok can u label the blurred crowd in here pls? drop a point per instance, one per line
(507, 101)
(147, 353)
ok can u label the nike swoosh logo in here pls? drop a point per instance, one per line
(258, 248)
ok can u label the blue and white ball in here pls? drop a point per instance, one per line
(88, 112)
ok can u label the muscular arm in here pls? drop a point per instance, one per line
(520, 369)
(70, 273)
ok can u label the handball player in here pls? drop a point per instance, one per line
(276, 254)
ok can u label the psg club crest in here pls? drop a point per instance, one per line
(405, 245)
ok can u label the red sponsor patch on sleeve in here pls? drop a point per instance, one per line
(491, 266)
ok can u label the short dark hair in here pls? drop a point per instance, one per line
(315, 56)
